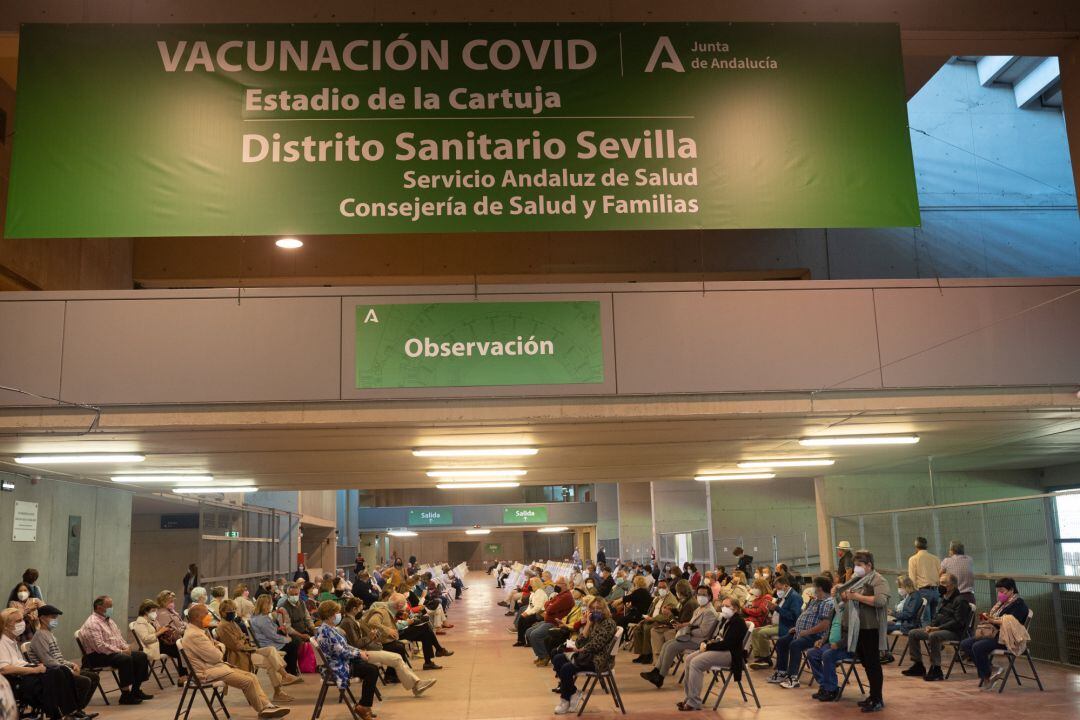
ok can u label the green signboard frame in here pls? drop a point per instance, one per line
(524, 515)
(431, 516)
(457, 127)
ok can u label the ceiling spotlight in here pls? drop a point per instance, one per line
(74, 459)
(470, 474)
(289, 243)
(162, 478)
(455, 452)
(476, 485)
(553, 529)
(837, 440)
(478, 531)
(401, 533)
(215, 490)
(751, 464)
(735, 476)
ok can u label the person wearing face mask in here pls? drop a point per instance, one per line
(46, 651)
(635, 604)
(301, 574)
(725, 650)
(592, 651)
(908, 614)
(866, 603)
(813, 622)
(532, 614)
(30, 577)
(269, 630)
(208, 663)
(296, 612)
(409, 627)
(568, 626)
(245, 608)
(22, 600)
(51, 689)
(558, 605)
(662, 608)
(344, 660)
(1008, 615)
(952, 619)
(757, 611)
(688, 636)
(174, 624)
(147, 631)
(785, 610)
(243, 654)
(105, 646)
(738, 588)
(607, 582)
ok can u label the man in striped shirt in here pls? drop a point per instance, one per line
(105, 647)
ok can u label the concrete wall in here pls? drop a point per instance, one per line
(635, 520)
(159, 559)
(751, 514)
(105, 548)
(679, 506)
(607, 511)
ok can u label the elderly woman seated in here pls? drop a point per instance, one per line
(345, 661)
(51, 689)
(242, 653)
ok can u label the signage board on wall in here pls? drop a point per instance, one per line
(477, 344)
(493, 549)
(431, 516)
(436, 128)
(24, 528)
(524, 515)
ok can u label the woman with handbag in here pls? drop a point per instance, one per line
(986, 639)
(592, 652)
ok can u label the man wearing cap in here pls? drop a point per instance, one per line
(846, 562)
(45, 650)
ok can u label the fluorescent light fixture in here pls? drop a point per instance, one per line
(836, 440)
(79, 459)
(289, 243)
(553, 529)
(162, 478)
(478, 531)
(476, 485)
(215, 490)
(456, 452)
(475, 474)
(769, 464)
(401, 533)
(735, 476)
(7, 485)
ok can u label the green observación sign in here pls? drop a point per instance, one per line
(441, 128)
(431, 517)
(476, 344)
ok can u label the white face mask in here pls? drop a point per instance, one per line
(662, 592)
(727, 612)
(152, 615)
(903, 592)
(755, 593)
(860, 571)
(23, 596)
(702, 600)
(20, 628)
(337, 619)
(781, 593)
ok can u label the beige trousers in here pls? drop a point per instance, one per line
(270, 660)
(243, 681)
(393, 660)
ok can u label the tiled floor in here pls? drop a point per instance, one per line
(487, 678)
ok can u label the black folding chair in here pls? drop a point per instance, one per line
(955, 644)
(193, 686)
(98, 669)
(329, 681)
(605, 679)
(897, 634)
(851, 667)
(1012, 662)
(724, 675)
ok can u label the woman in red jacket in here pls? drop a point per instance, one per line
(757, 611)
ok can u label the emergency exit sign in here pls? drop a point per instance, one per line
(431, 516)
(232, 533)
(522, 515)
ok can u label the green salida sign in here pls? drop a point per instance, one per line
(444, 128)
(431, 516)
(522, 515)
(476, 344)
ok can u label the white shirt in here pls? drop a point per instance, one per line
(10, 653)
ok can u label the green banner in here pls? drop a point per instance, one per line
(431, 516)
(493, 549)
(521, 515)
(475, 344)
(181, 130)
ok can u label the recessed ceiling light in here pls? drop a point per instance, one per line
(162, 478)
(215, 490)
(452, 452)
(478, 531)
(75, 459)
(751, 464)
(553, 529)
(401, 533)
(735, 476)
(836, 440)
(475, 473)
(289, 243)
(475, 485)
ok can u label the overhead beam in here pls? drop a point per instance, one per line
(1029, 90)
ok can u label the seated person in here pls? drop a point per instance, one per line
(688, 636)
(147, 631)
(269, 632)
(174, 623)
(298, 625)
(391, 619)
(217, 594)
(737, 589)
(245, 608)
(757, 610)
(53, 690)
(908, 614)
(787, 604)
(591, 652)
(105, 646)
(363, 637)
(635, 604)
(345, 661)
(23, 600)
(44, 650)
(365, 590)
(662, 612)
(951, 622)
(533, 612)
(812, 623)
(207, 659)
(725, 650)
(198, 597)
(326, 592)
(986, 639)
(567, 627)
(243, 654)
(559, 604)
(827, 653)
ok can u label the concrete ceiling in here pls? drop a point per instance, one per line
(377, 455)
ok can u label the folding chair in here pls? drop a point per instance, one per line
(194, 687)
(1012, 662)
(851, 667)
(98, 669)
(159, 663)
(605, 679)
(955, 644)
(897, 634)
(628, 638)
(329, 681)
(725, 674)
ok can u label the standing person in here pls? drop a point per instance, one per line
(844, 561)
(743, 562)
(106, 647)
(191, 581)
(301, 573)
(867, 600)
(21, 600)
(45, 651)
(963, 567)
(601, 556)
(924, 568)
(361, 565)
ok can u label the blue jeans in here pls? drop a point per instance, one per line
(566, 671)
(789, 653)
(535, 636)
(933, 601)
(979, 649)
(823, 662)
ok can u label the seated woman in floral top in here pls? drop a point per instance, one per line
(345, 661)
(592, 652)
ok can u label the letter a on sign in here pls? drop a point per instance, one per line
(663, 45)
(371, 317)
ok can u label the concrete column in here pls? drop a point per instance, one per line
(825, 543)
(1070, 93)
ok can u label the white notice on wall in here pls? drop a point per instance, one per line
(25, 527)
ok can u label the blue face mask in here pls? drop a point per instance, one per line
(53, 624)
(108, 612)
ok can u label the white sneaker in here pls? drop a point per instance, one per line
(420, 687)
(997, 676)
(563, 707)
(789, 683)
(575, 701)
(776, 678)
